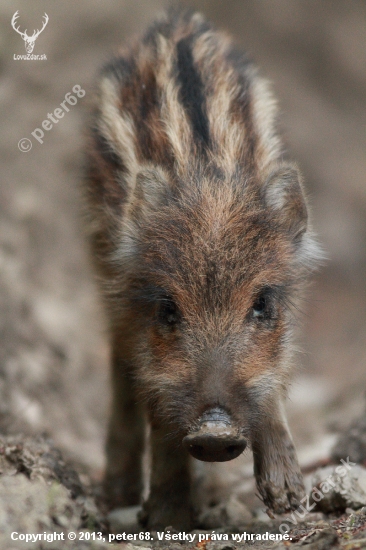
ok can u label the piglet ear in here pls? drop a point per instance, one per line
(283, 193)
(150, 185)
(145, 199)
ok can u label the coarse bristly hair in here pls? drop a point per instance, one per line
(191, 203)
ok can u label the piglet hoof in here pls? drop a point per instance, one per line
(158, 517)
(280, 500)
(119, 494)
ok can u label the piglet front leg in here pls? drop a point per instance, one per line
(276, 468)
(169, 500)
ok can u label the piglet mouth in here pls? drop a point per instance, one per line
(215, 439)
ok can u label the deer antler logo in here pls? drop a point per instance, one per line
(29, 40)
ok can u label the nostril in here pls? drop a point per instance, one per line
(197, 448)
(213, 448)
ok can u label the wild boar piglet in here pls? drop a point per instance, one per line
(201, 240)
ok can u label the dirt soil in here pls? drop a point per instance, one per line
(54, 393)
(41, 493)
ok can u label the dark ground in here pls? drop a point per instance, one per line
(53, 349)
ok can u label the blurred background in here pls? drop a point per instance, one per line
(53, 346)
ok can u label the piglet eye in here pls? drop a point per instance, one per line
(168, 312)
(261, 306)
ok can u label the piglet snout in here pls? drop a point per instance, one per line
(216, 439)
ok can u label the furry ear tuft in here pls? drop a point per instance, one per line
(147, 197)
(283, 193)
(150, 185)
